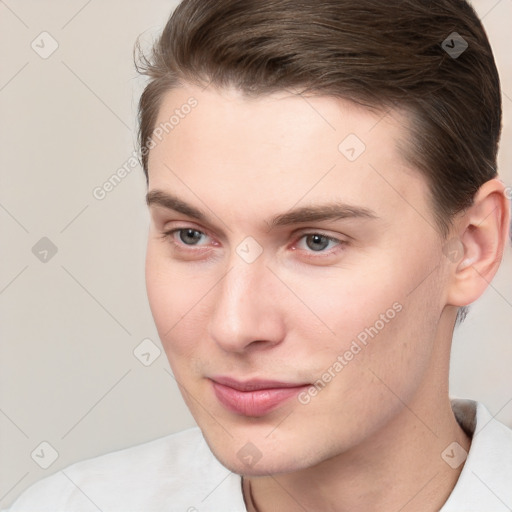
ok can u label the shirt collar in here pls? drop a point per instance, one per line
(485, 483)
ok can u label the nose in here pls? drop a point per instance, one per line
(247, 313)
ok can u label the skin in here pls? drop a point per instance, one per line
(372, 438)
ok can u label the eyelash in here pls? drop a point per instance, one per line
(169, 236)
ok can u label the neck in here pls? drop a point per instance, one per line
(398, 468)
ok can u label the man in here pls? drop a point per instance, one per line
(324, 203)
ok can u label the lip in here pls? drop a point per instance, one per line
(255, 397)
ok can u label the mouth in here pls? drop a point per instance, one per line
(254, 398)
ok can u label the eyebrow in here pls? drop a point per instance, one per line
(318, 213)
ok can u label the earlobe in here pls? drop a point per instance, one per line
(483, 234)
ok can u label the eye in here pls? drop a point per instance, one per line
(189, 236)
(186, 236)
(317, 242)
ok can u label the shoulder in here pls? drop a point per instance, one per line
(176, 472)
(485, 480)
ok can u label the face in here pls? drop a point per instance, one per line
(292, 272)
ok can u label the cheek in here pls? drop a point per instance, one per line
(173, 296)
(345, 305)
(379, 318)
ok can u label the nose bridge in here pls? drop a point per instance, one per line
(240, 293)
(243, 309)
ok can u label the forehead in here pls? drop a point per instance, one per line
(277, 118)
(279, 150)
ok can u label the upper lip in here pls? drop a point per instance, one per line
(255, 384)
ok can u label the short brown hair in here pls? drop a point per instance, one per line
(378, 53)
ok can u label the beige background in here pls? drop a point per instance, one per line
(69, 326)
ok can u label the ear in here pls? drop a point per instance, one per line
(481, 235)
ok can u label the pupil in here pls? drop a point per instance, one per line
(189, 236)
(318, 242)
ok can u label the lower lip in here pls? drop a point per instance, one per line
(254, 403)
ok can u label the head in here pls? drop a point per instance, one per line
(325, 173)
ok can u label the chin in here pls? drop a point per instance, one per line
(260, 468)
(244, 458)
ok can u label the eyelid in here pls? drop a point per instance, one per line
(163, 217)
(302, 232)
(168, 225)
(323, 232)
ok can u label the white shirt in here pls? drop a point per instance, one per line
(179, 473)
